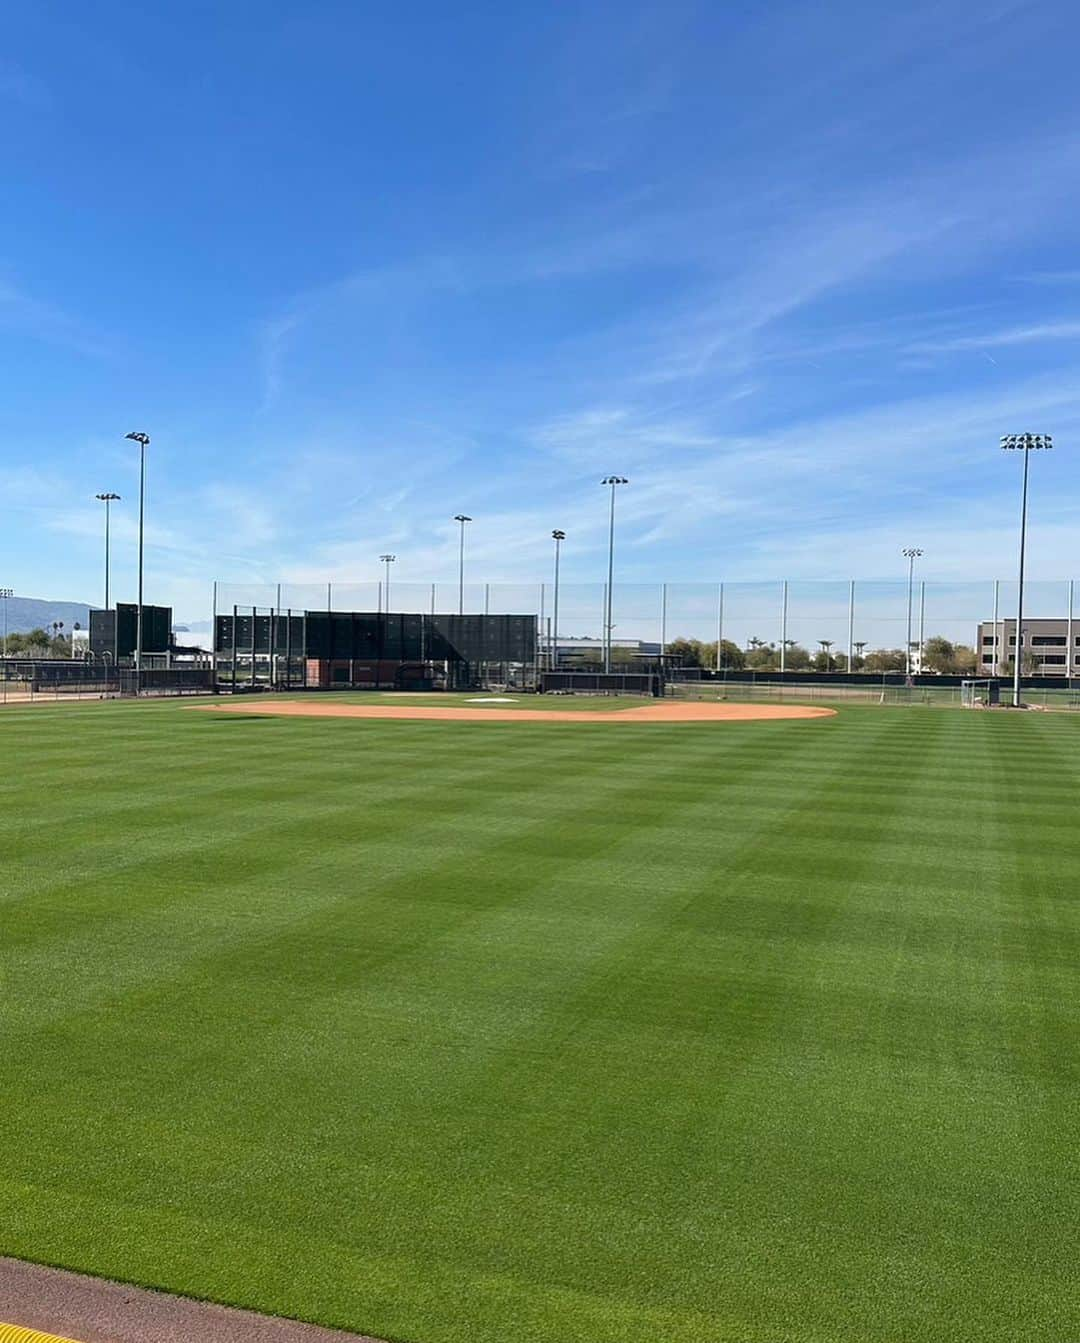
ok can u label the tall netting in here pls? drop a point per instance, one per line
(835, 616)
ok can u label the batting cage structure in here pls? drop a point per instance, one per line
(372, 650)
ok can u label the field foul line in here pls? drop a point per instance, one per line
(13, 1333)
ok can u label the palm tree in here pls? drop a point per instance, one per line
(826, 644)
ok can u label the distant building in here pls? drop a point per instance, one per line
(570, 651)
(1052, 647)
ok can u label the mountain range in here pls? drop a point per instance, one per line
(32, 613)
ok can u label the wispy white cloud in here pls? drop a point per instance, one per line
(989, 340)
(1050, 277)
(50, 324)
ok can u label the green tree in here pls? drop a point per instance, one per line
(694, 653)
(762, 656)
(687, 653)
(965, 660)
(732, 657)
(624, 658)
(797, 658)
(939, 655)
(885, 660)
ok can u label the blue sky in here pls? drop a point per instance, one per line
(792, 268)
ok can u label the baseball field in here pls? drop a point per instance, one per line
(549, 1032)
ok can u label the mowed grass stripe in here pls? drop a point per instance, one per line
(694, 1034)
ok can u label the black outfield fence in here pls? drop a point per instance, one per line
(60, 677)
(601, 683)
(860, 680)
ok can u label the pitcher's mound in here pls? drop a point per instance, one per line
(663, 712)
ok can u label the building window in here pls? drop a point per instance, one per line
(1048, 641)
(1053, 660)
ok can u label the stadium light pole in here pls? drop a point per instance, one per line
(558, 537)
(614, 482)
(388, 561)
(461, 518)
(143, 441)
(911, 553)
(5, 594)
(107, 499)
(1025, 443)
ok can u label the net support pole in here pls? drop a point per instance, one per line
(663, 623)
(783, 626)
(274, 618)
(213, 632)
(922, 620)
(995, 664)
(1069, 637)
(541, 631)
(235, 649)
(851, 627)
(719, 626)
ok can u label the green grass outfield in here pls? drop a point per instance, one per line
(701, 1033)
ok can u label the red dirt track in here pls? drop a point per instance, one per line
(688, 712)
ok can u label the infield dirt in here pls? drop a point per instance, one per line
(689, 712)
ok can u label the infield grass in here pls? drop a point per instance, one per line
(701, 1033)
